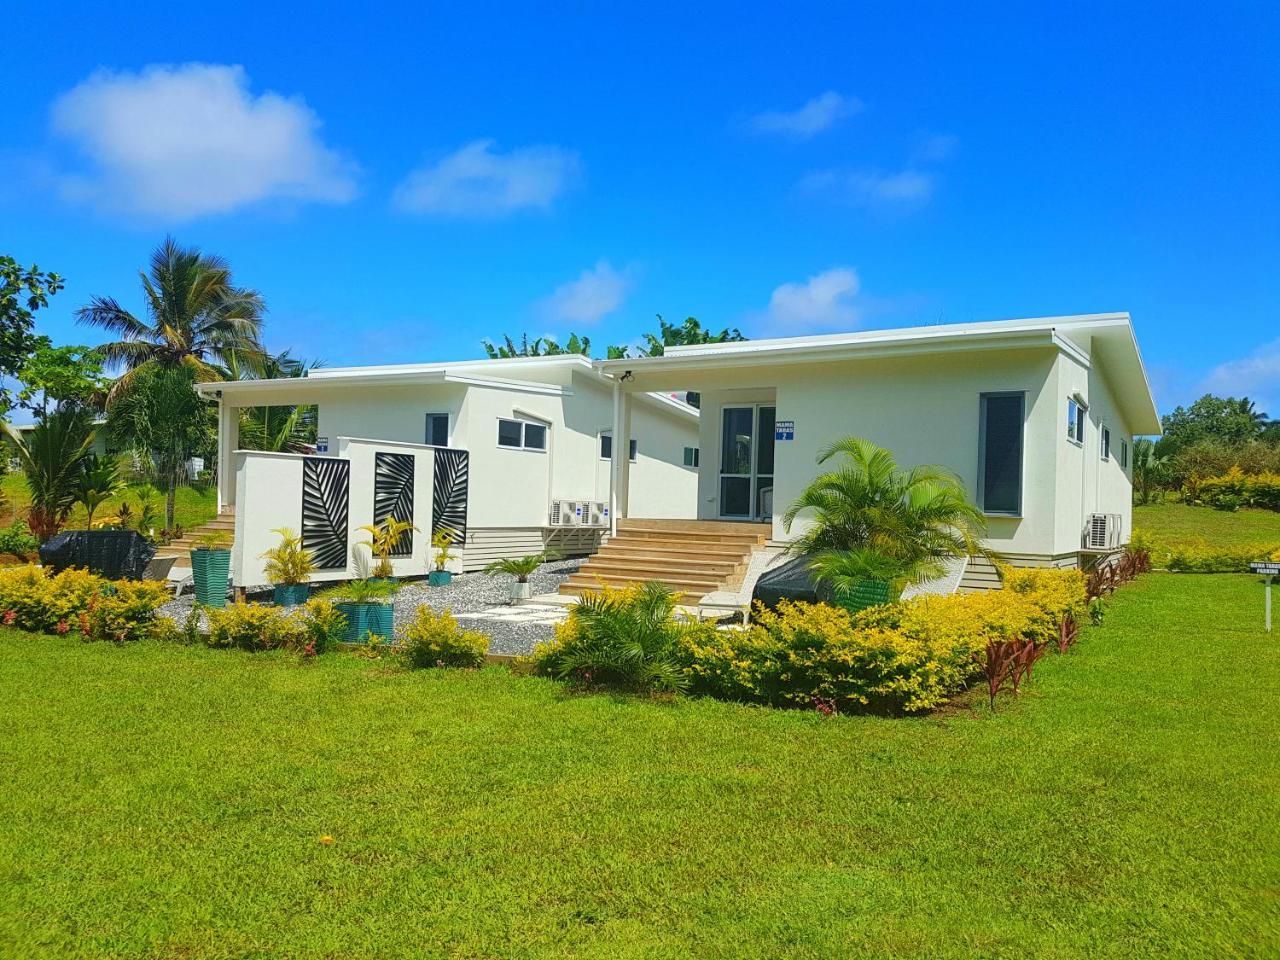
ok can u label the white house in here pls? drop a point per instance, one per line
(1035, 416)
(513, 455)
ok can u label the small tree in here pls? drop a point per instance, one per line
(23, 291)
(52, 455)
(1150, 471)
(99, 481)
(64, 376)
(164, 421)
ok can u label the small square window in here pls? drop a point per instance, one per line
(535, 436)
(437, 430)
(509, 433)
(690, 456)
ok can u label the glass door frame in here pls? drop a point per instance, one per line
(754, 476)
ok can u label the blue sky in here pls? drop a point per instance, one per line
(401, 183)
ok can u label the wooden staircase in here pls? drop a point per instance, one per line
(692, 557)
(180, 549)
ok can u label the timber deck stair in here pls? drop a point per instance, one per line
(181, 548)
(692, 557)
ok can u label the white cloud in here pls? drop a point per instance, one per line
(887, 192)
(934, 148)
(477, 181)
(817, 115)
(187, 141)
(598, 291)
(824, 300)
(1256, 376)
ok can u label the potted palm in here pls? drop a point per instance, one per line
(367, 606)
(442, 540)
(288, 568)
(382, 541)
(211, 568)
(522, 568)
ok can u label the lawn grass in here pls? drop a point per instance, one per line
(1175, 525)
(164, 801)
(193, 506)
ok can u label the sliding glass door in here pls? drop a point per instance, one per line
(746, 462)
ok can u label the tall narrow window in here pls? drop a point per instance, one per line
(1000, 452)
(1124, 454)
(1075, 421)
(1104, 448)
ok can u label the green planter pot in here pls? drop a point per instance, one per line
(439, 578)
(366, 618)
(211, 570)
(291, 594)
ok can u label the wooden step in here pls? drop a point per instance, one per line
(693, 536)
(724, 527)
(686, 583)
(685, 593)
(677, 550)
(658, 569)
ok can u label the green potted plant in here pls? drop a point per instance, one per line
(441, 541)
(367, 606)
(211, 568)
(382, 541)
(288, 568)
(522, 568)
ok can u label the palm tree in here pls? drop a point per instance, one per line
(196, 318)
(872, 520)
(1150, 470)
(100, 480)
(52, 455)
(689, 333)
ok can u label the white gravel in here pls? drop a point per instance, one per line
(468, 593)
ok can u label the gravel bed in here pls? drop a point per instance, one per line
(468, 593)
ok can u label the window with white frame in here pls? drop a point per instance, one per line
(1075, 420)
(522, 434)
(1104, 444)
(606, 447)
(437, 430)
(690, 456)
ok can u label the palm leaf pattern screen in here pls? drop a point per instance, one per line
(326, 494)
(449, 494)
(393, 495)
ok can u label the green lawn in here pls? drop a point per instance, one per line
(169, 802)
(1181, 525)
(192, 506)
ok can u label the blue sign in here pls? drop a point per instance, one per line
(784, 430)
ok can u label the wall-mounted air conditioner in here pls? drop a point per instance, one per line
(598, 514)
(565, 513)
(1102, 531)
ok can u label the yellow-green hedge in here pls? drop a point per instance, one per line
(96, 608)
(902, 657)
(1236, 488)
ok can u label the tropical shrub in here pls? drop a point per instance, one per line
(870, 520)
(436, 640)
(383, 539)
(314, 628)
(99, 609)
(522, 568)
(1204, 558)
(1235, 489)
(903, 657)
(52, 454)
(17, 540)
(287, 562)
(624, 638)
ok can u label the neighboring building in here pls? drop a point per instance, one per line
(536, 432)
(1035, 416)
(99, 447)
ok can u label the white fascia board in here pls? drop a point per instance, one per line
(519, 386)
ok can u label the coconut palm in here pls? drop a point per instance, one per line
(280, 429)
(196, 318)
(52, 455)
(870, 519)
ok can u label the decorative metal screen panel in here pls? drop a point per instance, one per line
(449, 494)
(393, 495)
(326, 496)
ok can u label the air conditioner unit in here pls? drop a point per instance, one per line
(1102, 531)
(598, 514)
(565, 513)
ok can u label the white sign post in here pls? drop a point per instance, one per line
(1270, 570)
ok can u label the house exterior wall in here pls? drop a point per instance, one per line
(1085, 482)
(513, 488)
(925, 410)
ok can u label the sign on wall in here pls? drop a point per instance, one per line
(784, 430)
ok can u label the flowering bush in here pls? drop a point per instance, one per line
(436, 640)
(902, 657)
(1236, 489)
(98, 609)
